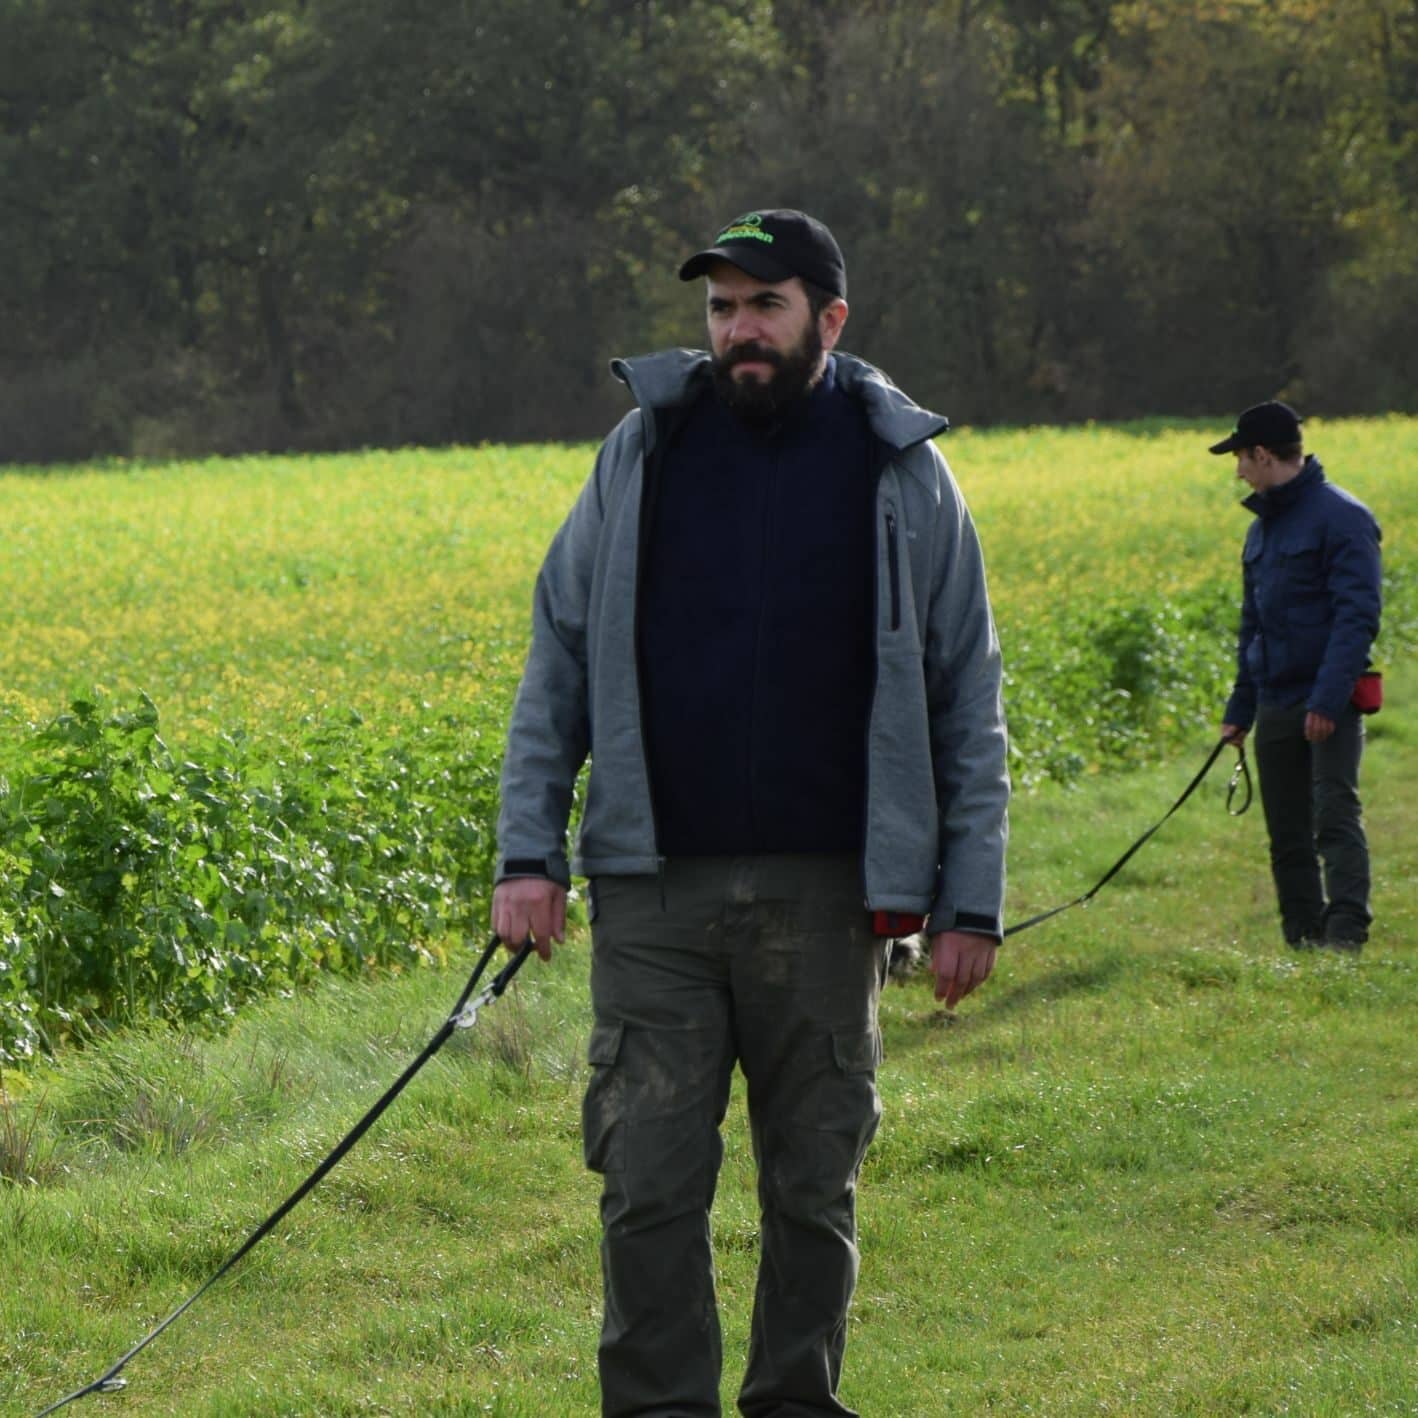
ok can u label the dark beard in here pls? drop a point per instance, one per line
(761, 403)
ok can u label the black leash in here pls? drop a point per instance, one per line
(1241, 774)
(464, 1016)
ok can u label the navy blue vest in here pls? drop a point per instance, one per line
(756, 614)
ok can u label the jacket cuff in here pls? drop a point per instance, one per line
(974, 922)
(1240, 711)
(553, 868)
(1329, 700)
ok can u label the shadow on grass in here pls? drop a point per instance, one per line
(993, 1004)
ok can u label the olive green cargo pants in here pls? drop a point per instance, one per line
(767, 962)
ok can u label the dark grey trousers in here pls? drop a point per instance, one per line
(767, 962)
(1311, 796)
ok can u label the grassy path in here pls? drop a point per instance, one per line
(1159, 1165)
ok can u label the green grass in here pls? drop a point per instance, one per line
(1159, 1164)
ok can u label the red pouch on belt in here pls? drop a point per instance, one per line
(1368, 696)
(895, 924)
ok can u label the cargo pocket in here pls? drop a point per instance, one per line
(857, 1050)
(857, 1054)
(812, 1153)
(602, 1129)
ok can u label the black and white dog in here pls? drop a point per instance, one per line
(906, 955)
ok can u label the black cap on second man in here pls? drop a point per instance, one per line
(1268, 425)
(775, 245)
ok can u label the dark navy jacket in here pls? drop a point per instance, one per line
(1312, 595)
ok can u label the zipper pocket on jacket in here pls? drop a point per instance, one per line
(893, 563)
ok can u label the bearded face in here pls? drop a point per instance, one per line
(758, 400)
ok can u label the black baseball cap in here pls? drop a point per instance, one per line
(774, 246)
(1268, 425)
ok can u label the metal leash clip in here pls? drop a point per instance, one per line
(468, 1015)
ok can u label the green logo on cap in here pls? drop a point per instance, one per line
(749, 228)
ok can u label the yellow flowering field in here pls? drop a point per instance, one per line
(262, 590)
(259, 591)
(1102, 511)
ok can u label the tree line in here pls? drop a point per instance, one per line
(231, 225)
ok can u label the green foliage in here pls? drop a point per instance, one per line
(340, 223)
(134, 882)
(1114, 684)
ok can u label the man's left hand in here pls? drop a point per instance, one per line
(960, 960)
(1318, 727)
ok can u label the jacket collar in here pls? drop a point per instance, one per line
(675, 377)
(1274, 502)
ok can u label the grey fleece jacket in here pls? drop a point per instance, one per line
(937, 783)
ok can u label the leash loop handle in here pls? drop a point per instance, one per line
(1240, 777)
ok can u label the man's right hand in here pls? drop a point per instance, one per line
(529, 908)
(1233, 735)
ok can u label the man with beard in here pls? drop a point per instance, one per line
(766, 622)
